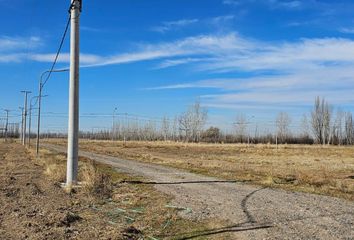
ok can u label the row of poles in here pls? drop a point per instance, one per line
(73, 121)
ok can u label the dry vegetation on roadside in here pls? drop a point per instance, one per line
(104, 207)
(325, 170)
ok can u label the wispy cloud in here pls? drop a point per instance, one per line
(8, 44)
(284, 4)
(319, 79)
(90, 29)
(65, 58)
(220, 19)
(300, 71)
(196, 48)
(308, 53)
(37, 57)
(289, 73)
(347, 30)
(232, 2)
(217, 21)
(180, 61)
(173, 25)
(15, 49)
(13, 57)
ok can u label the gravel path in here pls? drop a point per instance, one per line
(254, 212)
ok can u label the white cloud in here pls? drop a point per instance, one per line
(347, 30)
(14, 57)
(306, 53)
(167, 26)
(232, 2)
(273, 4)
(8, 44)
(301, 70)
(279, 98)
(285, 4)
(215, 22)
(220, 19)
(90, 29)
(12, 49)
(201, 46)
(180, 61)
(65, 58)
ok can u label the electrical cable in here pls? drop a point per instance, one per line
(60, 45)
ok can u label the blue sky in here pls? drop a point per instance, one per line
(154, 58)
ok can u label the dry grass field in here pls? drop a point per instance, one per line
(34, 206)
(325, 170)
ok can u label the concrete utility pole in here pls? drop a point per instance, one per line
(30, 118)
(39, 113)
(24, 117)
(73, 125)
(113, 123)
(7, 123)
(29, 127)
(40, 96)
(21, 133)
(30, 121)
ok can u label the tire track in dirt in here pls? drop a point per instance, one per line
(254, 212)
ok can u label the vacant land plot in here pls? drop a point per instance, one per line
(317, 169)
(33, 205)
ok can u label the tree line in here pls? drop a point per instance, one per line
(12, 130)
(320, 126)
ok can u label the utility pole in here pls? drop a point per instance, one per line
(29, 126)
(113, 123)
(39, 113)
(40, 90)
(30, 118)
(24, 123)
(125, 127)
(30, 121)
(73, 124)
(21, 133)
(7, 123)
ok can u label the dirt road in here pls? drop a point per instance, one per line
(254, 212)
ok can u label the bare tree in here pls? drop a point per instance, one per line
(165, 128)
(192, 122)
(282, 122)
(327, 124)
(184, 122)
(212, 134)
(241, 127)
(174, 129)
(305, 128)
(349, 128)
(321, 121)
(337, 129)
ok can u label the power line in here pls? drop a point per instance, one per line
(59, 50)
(42, 84)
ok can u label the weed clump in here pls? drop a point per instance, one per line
(56, 171)
(96, 182)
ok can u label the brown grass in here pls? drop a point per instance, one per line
(53, 164)
(139, 206)
(95, 181)
(325, 170)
